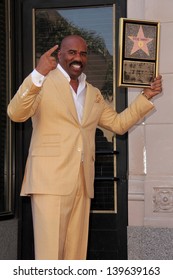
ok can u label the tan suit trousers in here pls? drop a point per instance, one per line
(61, 224)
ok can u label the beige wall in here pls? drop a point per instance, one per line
(151, 141)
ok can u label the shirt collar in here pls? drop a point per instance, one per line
(81, 78)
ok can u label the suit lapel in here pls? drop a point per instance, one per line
(89, 102)
(64, 92)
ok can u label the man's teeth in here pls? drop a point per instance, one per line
(76, 66)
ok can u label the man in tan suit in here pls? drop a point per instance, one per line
(59, 173)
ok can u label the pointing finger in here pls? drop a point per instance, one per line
(50, 51)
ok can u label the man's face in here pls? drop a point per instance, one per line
(73, 56)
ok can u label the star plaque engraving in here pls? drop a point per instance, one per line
(138, 52)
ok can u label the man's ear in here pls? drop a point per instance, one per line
(59, 54)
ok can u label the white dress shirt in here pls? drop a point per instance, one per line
(78, 97)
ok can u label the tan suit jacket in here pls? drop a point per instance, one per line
(58, 140)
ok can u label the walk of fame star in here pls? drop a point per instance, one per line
(140, 42)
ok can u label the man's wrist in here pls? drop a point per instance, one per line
(145, 95)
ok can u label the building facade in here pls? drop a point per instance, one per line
(150, 199)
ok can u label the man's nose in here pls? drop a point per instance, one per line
(78, 55)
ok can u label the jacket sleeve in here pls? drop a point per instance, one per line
(25, 102)
(120, 123)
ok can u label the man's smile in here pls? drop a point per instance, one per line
(76, 65)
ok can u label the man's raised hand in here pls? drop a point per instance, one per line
(47, 62)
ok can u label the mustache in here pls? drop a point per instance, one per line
(76, 63)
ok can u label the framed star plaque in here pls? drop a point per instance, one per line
(138, 52)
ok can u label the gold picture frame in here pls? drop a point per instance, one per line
(138, 52)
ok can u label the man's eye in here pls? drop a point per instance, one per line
(84, 54)
(72, 52)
